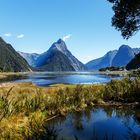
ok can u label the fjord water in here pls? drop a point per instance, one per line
(50, 78)
(99, 123)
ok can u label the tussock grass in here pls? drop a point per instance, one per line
(25, 108)
(126, 90)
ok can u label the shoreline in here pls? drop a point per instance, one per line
(10, 76)
(29, 106)
(67, 72)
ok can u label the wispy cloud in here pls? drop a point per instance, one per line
(20, 36)
(66, 37)
(8, 34)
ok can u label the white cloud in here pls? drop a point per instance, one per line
(8, 34)
(20, 36)
(66, 37)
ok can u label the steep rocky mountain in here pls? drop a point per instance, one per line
(115, 58)
(57, 62)
(10, 60)
(105, 61)
(124, 55)
(134, 63)
(30, 57)
(58, 58)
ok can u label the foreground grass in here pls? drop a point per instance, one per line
(25, 108)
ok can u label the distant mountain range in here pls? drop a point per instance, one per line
(10, 60)
(115, 58)
(102, 62)
(30, 58)
(57, 58)
(124, 55)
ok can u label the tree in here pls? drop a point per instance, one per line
(126, 16)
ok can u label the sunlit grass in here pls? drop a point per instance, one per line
(25, 108)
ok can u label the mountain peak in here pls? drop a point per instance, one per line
(59, 58)
(60, 40)
(124, 55)
(59, 45)
(124, 47)
(119, 58)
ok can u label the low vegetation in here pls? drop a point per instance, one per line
(25, 108)
(112, 69)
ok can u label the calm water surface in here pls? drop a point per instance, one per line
(96, 124)
(100, 123)
(45, 79)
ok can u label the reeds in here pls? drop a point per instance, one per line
(126, 90)
(25, 108)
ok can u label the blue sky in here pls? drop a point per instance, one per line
(33, 25)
